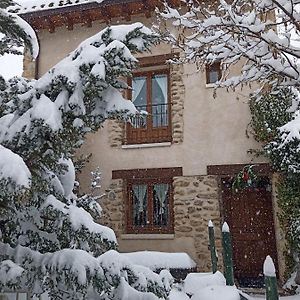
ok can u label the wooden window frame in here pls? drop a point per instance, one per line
(150, 134)
(149, 228)
(213, 67)
(148, 177)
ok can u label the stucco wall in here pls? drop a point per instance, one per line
(214, 128)
(213, 133)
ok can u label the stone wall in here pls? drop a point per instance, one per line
(116, 129)
(196, 201)
(112, 204)
(29, 66)
(177, 99)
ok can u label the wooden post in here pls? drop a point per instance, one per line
(212, 246)
(227, 254)
(270, 279)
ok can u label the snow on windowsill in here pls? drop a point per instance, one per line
(210, 85)
(149, 236)
(150, 145)
(156, 260)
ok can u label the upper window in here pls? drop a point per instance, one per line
(150, 94)
(213, 73)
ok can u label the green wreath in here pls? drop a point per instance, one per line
(244, 179)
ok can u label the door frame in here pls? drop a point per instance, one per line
(261, 170)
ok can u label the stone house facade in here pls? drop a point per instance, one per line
(168, 173)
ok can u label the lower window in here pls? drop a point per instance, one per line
(149, 199)
(150, 206)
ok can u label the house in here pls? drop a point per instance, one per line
(170, 171)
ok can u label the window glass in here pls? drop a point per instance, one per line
(213, 76)
(160, 100)
(139, 205)
(160, 204)
(139, 98)
(213, 72)
(139, 92)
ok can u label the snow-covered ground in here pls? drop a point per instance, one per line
(295, 297)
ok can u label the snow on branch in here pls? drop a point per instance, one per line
(12, 167)
(16, 31)
(259, 32)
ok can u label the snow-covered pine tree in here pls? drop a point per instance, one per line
(48, 239)
(16, 32)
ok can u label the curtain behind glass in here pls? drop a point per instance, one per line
(161, 203)
(139, 98)
(140, 205)
(160, 100)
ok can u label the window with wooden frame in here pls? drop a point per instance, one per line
(151, 95)
(149, 199)
(213, 73)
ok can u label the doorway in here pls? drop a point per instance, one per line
(249, 214)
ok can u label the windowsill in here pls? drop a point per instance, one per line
(150, 145)
(148, 236)
(210, 85)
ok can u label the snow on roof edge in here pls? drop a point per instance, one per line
(39, 5)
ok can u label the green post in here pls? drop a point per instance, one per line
(212, 246)
(227, 254)
(270, 279)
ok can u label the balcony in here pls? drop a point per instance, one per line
(153, 125)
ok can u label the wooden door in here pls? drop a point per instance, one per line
(250, 216)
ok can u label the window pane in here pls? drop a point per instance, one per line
(160, 100)
(213, 76)
(139, 205)
(139, 98)
(161, 204)
(139, 91)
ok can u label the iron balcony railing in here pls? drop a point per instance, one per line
(152, 125)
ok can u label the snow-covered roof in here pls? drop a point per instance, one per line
(38, 5)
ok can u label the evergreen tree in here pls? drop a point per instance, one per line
(48, 239)
(16, 32)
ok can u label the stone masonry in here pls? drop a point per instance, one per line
(29, 66)
(113, 207)
(116, 129)
(196, 201)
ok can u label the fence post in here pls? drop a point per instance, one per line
(227, 254)
(212, 246)
(270, 279)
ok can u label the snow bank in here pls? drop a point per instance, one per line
(178, 295)
(197, 281)
(217, 292)
(160, 260)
